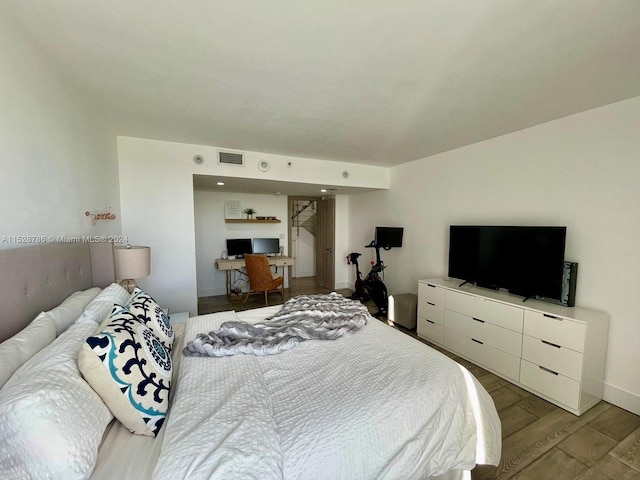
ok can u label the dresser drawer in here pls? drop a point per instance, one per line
(500, 314)
(554, 385)
(431, 302)
(558, 330)
(429, 330)
(428, 310)
(488, 333)
(484, 355)
(431, 293)
(555, 357)
(462, 303)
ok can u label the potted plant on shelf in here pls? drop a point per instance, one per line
(249, 212)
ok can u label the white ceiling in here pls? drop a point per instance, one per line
(367, 81)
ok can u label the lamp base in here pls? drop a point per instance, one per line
(129, 285)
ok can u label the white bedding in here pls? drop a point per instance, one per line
(375, 404)
(123, 454)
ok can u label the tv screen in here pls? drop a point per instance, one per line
(266, 245)
(237, 247)
(526, 260)
(389, 237)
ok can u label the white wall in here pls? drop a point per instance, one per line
(581, 171)
(212, 232)
(58, 160)
(303, 248)
(343, 241)
(157, 202)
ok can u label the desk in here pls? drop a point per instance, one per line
(229, 264)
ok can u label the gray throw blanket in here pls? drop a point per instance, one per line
(305, 317)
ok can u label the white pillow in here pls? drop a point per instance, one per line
(15, 351)
(51, 421)
(100, 307)
(71, 308)
(131, 370)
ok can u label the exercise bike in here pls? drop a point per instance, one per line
(359, 292)
(372, 287)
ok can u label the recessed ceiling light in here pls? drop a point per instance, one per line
(220, 183)
(324, 190)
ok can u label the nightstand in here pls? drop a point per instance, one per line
(180, 317)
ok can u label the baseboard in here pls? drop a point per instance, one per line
(211, 292)
(306, 273)
(340, 285)
(621, 398)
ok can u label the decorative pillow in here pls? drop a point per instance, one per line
(71, 308)
(15, 351)
(131, 370)
(51, 421)
(101, 306)
(147, 311)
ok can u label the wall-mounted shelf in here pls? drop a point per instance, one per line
(243, 220)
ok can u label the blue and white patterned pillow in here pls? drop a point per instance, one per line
(131, 370)
(147, 311)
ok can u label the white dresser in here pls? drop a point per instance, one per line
(555, 352)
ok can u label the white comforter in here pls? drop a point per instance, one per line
(375, 404)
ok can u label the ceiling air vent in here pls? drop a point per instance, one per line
(231, 158)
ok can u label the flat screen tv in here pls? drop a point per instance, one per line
(526, 260)
(266, 245)
(389, 237)
(237, 247)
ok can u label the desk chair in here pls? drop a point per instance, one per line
(260, 277)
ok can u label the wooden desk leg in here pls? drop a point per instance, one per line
(229, 285)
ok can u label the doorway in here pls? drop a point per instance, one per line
(312, 238)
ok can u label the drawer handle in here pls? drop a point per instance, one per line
(477, 341)
(547, 370)
(429, 285)
(477, 319)
(552, 316)
(550, 344)
(432, 304)
(432, 323)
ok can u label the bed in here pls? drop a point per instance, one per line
(373, 404)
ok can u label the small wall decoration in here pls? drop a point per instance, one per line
(232, 209)
(249, 212)
(100, 216)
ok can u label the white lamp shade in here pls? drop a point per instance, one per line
(132, 262)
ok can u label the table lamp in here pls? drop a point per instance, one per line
(131, 263)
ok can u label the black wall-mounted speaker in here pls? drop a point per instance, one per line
(569, 280)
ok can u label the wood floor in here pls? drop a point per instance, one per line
(298, 286)
(540, 440)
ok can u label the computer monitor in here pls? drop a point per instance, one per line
(237, 247)
(270, 246)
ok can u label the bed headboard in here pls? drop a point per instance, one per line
(33, 279)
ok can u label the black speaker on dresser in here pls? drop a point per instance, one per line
(569, 279)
